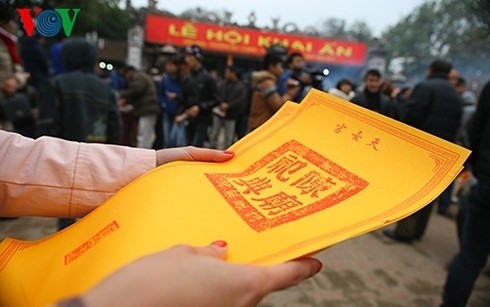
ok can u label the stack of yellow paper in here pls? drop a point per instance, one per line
(315, 174)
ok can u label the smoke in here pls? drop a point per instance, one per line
(475, 71)
(337, 72)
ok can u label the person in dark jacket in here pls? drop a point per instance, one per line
(227, 112)
(199, 96)
(78, 105)
(36, 62)
(141, 94)
(372, 98)
(436, 108)
(16, 108)
(475, 240)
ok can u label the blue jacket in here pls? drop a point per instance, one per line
(169, 84)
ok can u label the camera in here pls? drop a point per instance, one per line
(310, 76)
(317, 78)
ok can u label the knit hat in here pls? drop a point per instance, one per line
(194, 50)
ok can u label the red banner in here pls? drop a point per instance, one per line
(243, 41)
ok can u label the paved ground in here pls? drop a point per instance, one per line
(367, 271)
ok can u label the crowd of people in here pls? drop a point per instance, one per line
(62, 94)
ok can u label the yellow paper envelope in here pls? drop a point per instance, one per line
(315, 174)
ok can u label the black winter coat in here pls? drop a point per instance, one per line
(435, 107)
(479, 135)
(200, 89)
(234, 93)
(386, 106)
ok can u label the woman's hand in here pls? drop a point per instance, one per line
(191, 153)
(187, 276)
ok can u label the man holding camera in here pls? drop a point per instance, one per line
(294, 75)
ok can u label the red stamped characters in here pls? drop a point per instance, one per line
(287, 184)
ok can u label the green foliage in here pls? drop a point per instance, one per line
(338, 28)
(440, 29)
(481, 10)
(333, 27)
(360, 31)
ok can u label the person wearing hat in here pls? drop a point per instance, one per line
(199, 96)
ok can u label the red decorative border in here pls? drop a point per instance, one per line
(87, 245)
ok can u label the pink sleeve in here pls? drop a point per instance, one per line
(53, 177)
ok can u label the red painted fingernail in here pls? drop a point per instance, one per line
(220, 243)
(228, 152)
(319, 266)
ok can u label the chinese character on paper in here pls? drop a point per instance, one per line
(254, 185)
(278, 203)
(288, 164)
(313, 182)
